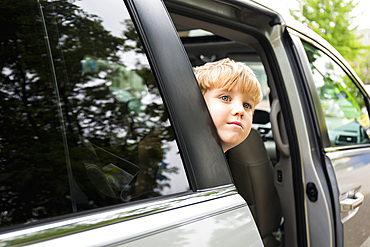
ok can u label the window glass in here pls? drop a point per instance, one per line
(343, 104)
(82, 123)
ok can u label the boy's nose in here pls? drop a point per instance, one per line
(238, 110)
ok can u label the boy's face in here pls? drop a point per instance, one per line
(232, 113)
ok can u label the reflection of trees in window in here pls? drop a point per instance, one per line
(31, 147)
(33, 174)
(131, 126)
(343, 104)
(335, 87)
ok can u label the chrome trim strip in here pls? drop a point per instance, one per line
(88, 222)
(355, 147)
(179, 225)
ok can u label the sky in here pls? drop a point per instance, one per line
(363, 14)
(361, 11)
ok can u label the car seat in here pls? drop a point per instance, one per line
(253, 174)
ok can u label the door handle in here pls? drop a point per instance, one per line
(350, 203)
(275, 110)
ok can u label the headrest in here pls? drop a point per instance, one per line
(251, 150)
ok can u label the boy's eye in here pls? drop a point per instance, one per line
(247, 105)
(225, 98)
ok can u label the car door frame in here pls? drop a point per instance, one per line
(324, 167)
(319, 208)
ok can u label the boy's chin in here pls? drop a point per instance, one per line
(229, 145)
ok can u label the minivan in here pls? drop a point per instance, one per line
(106, 140)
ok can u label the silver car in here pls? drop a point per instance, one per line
(106, 139)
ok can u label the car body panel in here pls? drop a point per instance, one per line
(352, 172)
(211, 218)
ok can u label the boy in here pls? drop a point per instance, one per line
(231, 91)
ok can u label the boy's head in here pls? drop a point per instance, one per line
(231, 91)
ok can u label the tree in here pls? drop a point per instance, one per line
(332, 19)
(361, 64)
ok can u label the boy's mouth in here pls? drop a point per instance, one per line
(238, 124)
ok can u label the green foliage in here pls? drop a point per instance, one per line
(361, 65)
(332, 20)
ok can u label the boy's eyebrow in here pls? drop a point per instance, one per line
(221, 90)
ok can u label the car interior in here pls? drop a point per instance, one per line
(256, 164)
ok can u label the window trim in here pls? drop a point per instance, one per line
(199, 146)
(87, 220)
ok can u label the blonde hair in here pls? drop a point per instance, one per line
(227, 74)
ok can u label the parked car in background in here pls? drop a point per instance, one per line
(106, 140)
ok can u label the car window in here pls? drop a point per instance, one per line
(82, 124)
(208, 42)
(343, 104)
(204, 46)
